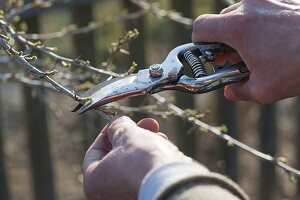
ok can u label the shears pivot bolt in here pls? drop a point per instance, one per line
(156, 70)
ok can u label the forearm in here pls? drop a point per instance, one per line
(188, 181)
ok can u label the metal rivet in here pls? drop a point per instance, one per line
(156, 70)
(210, 55)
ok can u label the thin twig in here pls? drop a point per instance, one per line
(170, 14)
(27, 7)
(22, 60)
(104, 115)
(13, 77)
(54, 56)
(74, 30)
(174, 16)
(129, 109)
(226, 137)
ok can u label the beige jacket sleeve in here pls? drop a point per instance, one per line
(188, 181)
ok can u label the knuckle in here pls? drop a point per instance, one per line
(121, 119)
(196, 28)
(199, 21)
(241, 25)
(199, 25)
(121, 122)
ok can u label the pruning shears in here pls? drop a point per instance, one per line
(171, 75)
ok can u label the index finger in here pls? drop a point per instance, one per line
(212, 28)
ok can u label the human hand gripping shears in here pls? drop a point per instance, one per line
(170, 75)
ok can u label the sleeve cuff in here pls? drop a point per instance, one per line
(161, 180)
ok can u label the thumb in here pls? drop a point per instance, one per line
(211, 28)
(149, 124)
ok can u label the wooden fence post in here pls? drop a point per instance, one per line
(137, 50)
(297, 107)
(137, 46)
(4, 190)
(180, 35)
(85, 49)
(37, 134)
(228, 116)
(268, 139)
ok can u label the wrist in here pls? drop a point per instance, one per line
(167, 182)
(159, 179)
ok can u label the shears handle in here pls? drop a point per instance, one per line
(197, 58)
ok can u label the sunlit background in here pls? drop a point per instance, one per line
(42, 143)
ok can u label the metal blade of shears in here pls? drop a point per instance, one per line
(119, 88)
